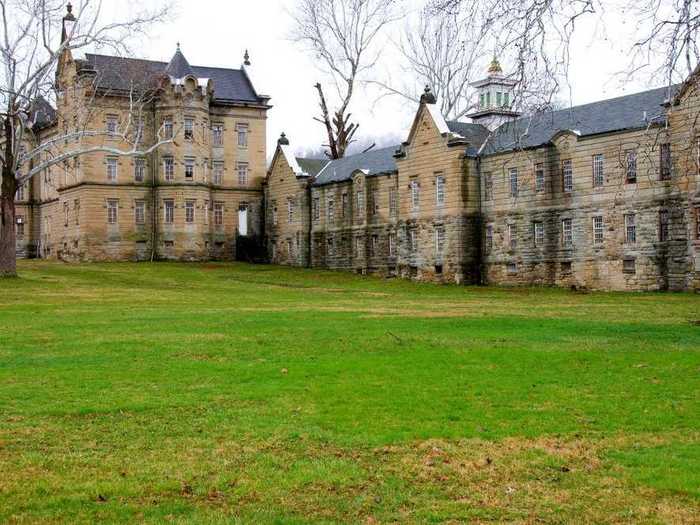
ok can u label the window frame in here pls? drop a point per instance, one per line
(112, 161)
(598, 162)
(567, 232)
(168, 211)
(139, 212)
(188, 128)
(567, 176)
(242, 169)
(190, 206)
(139, 169)
(169, 167)
(440, 192)
(112, 211)
(598, 226)
(513, 185)
(630, 221)
(538, 233)
(539, 177)
(631, 166)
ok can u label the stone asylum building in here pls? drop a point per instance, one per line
(604, 195)
(189, 199)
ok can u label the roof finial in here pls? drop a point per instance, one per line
(427, 97)
(495, 66)
(69, 8)
(178, 46)
(246, 58)
(283, 140)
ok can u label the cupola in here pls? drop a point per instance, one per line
(495, 95)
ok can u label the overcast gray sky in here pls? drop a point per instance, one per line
(217, 32)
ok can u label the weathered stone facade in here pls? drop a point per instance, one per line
(188, 199)
(602, 197)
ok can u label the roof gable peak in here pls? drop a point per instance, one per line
(179, 67)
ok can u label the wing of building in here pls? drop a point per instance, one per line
(191, 198)
(603, 195)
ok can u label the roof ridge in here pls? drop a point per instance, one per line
(160, 62)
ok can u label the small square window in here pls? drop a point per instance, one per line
(629, 265)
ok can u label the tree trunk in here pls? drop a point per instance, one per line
(8, 254)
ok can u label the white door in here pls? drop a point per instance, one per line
(243, 221)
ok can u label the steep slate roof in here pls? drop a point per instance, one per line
(374, 162)
(179, 67)
(615, 114)
(42, 113)
(311, 166)
(120, 74)
(474, 134)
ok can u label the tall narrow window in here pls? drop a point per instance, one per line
(218, 214)
(331, 209)
(488, 186)
(598, 229)
(168, 127)
(413, 240)
(439, 190)
(274, 213)
(697, 222)
(631, 166)
(567, 174)
(189, 128)
(512, 236)
(189, 168)
(359, 245)
(217, 132)
(489, 238)
(415, 194)
(663, 225)
(112, 211)
(19, 222)
(344, 204)
(538, 228)
(76, 210)
(139, 212)
(360, 203)
(290, 210)
(66, 212)
(168, 211)
(665, 161)
(316, 208)
(513, 182)
(598, 173)
(19, 196)
(206, 213)
(242, 130)
(139, 170)
(392, 244)
(567, 234)
(112, 169)
(112, 124)
(242, 168)
(331, 245)
(630, 228)
(189, 211)
(169, 168)
(218, 173)
(539, 177)
(393, 202)
(439, 239)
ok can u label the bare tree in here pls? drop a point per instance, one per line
(37, 36)
(343, 35)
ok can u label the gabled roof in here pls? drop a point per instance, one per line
(474, 134)
(628, 112)
(311, 166)
(373, 162)
(121, 74)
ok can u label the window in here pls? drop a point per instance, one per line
(392, 244)
(513, 236)
(358, 246)
(217, 134)
(489, 238)
(512, 268)
(331, 245)
(598, 173)
(598, 230)
(665, 161)
(697, 222)
(567, 175)
(20, 193)
(242, 130)
(482, 100)
(242, 168)
(565, 267)
(76, 210)
(112, 169)
(439, 190)
(19, 222)
(139, 212)
(169, 211)
(66, 210)
(488, 99)
(538, 228)
(567, 234)
(506, 99)
(629, 265)
(331, 209)
(344, 202)
(138, 135)
(375, 202)
(218, 171)
(413, 239)
(206, 213)
(663, 225)
(316, 208)
(274, 213)
(112, 211)
(290, 250)
(415, 194)
(488, 186)
(498, 99)
(290, 210)
(539, 177)
(169, 168)
(439, 239)
(218, 214)
(189, 128)
(630, 228)
(359, 203)
(631, 166)
(513, 182)
(189, 211)
(189, 169)
(112, 124)
(393, 202)
(168, 127)
(139, 170)
(374, 246)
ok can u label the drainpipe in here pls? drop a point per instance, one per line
(154, 171)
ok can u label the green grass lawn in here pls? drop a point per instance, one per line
(219, 393)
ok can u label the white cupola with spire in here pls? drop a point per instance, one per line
(495, 96)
